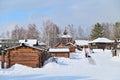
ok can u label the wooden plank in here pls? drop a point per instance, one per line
(61, 54)
(24, 52)
(23, 62)
(23, 59)
(23, 55)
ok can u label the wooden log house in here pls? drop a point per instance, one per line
(59, 52)
(69, 45)
(101, 43)
(25, 55)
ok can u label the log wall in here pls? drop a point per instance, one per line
(25, 56)
(66, 55)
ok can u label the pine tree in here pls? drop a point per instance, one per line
(97, 31)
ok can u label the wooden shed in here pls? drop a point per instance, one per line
(25, 55)
(81, 43)
(71, 46)
(101, 43)
(59, 52)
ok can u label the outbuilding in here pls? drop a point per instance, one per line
(59, 52)
(71, 46)
(101, 43)
(81, 43)
(25, 55)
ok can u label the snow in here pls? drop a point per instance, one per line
(81, 42)
(102, 40)
(42, 43)
(29, 42)
(66, 36)
(101, 66)
(59, 50)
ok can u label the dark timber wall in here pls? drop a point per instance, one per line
(24, 55)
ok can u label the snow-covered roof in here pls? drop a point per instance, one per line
(59, 50)
(66, 36)
(41, 43)
(81, 42)
(102, 40)
(24, 45)
(29, 42)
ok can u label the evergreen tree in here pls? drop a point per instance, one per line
(97, 31)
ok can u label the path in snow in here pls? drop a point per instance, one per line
(91, 61)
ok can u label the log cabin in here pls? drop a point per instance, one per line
(25, 55)
(59, 52)
(101, 43)
(69, 45)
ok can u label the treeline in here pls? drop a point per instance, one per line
(111, 31)
(50, 31)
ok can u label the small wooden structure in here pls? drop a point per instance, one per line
(60, 45)
(81, 43)
(59, 52)
(65, 38)
(25, 55)
(71, 46)
(101, 43)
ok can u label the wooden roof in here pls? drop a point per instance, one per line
(23, 45)
(60, 45)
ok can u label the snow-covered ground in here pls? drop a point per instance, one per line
(101, 66)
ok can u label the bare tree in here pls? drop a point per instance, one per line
(8, 34)
(18, 33)
(116, 30)
(22, 33)
(50, 32)
(80, 33)
(32, 32)
(106, 29)
(15, 33)
(72, 31)
(2, 35)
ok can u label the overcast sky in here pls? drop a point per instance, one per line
(62, 12)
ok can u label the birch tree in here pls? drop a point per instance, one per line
(32, 32)
(18, 33)
(80, 33)
(50, 33)
(116, 30)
